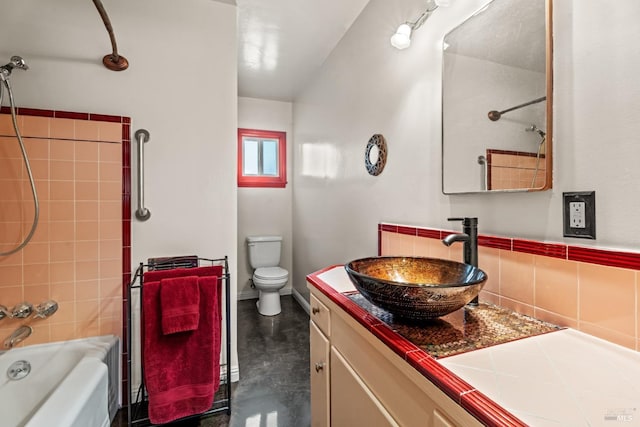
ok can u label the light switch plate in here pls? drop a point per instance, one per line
(579, 214)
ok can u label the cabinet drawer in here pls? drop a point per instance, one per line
(320, 315)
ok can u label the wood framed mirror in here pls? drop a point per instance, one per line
(497, 89)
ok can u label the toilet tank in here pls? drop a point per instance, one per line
(264, 251)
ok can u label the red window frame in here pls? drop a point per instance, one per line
(279, 181)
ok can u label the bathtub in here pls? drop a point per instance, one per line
(68, 384)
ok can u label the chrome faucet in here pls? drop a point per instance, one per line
(20, 311)
(469, 237)
(25, 309)
(18, 336)
(46, 309)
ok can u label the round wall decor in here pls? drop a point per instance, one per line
(375, 156)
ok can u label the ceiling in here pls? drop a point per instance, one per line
(508, 32)
(282, 43)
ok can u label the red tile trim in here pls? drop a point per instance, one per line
(609, 258)
(35, 112)
(410, 231)
(619, 259)
(358, 313)
(71, 115)
(514, 153)
(429, 233)
(395, 342)
(554, 250)
(125, 341)
(379, 241)
(126, 243)
(445, 380)
(488, 412)
(126, 132)
(388, 227)
(126, 209)
(126, 153)
(495, 242)
(105, 118)
(126, 182)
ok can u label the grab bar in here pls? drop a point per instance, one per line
(482, 161)
(142, 213)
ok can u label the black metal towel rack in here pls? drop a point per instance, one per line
(137, 406)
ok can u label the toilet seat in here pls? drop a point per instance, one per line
(270, 273)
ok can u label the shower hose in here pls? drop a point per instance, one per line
(36, 205)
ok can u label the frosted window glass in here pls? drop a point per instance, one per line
(250, 157)
(270, 157)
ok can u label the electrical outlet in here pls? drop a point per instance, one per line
(579, 217)
(576, 215)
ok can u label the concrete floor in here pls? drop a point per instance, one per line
(273, 353)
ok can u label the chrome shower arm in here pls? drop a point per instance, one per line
(495, 115)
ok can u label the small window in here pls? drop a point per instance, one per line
(261, 158)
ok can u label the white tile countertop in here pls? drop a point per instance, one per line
(562, 379)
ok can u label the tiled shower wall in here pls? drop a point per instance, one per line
(512, 169)
(592, 290)
(75, 256)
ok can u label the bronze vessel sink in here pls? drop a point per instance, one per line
(416, 288)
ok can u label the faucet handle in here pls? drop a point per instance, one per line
(22, 310)
(466, 221)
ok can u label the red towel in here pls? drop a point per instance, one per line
(181, 371)
(155, 276)
(179, 304)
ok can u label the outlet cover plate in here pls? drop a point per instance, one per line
(579, 214)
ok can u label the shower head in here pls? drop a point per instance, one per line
(16, 62)
(534, 128)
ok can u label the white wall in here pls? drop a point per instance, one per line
(366, 86)
(181, 86)
(265, 211)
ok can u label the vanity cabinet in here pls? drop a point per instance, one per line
(357, 380)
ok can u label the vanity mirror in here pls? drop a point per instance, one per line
(497, 99)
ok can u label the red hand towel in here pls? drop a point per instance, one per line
(182, 371)
(179, 304)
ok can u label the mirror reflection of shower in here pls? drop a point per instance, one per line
(17, 62)
(543, 138)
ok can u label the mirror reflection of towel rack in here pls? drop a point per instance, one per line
(142, 136)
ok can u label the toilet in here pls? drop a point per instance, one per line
(268, 278)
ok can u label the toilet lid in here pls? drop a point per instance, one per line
(271, 273)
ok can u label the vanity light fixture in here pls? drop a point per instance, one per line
(402, 37)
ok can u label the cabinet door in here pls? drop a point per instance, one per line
(352, 403)
(319, 359)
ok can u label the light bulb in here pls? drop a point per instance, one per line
(402, 38)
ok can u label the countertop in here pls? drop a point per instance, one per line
(563, 378)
